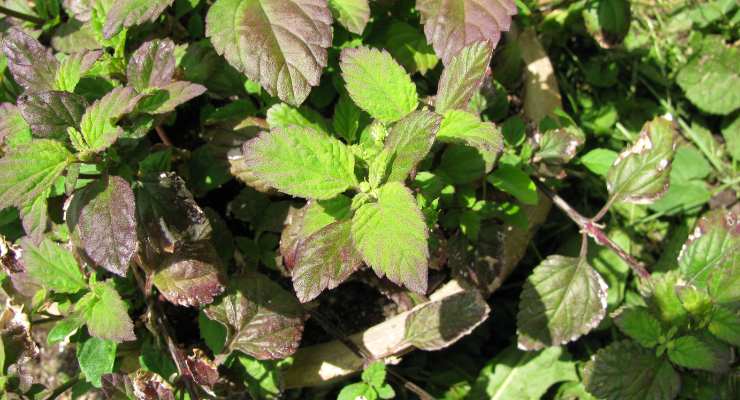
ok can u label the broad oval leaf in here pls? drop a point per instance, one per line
(324, 260)
(191, 276)
(465, 128)
(462, 78)
(50, 113)
(301, 162)
(451, 25)
(562, 299)
(152, 64)
(127, 13)
(352, 14)
(104, 215)
(282, 44)
(612, 374)
(441, 323)
(33, 65)
(409, 141)
(29, 169)
(52, 266)
(261, 318)
(96, 357)
(377, 84)
(640, 174)
(391, 235)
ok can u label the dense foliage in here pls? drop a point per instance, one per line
(261, 198)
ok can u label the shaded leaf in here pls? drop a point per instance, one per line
(191, 276)
(117, 386)
(409, 141)
(29, 169)
(96, 357)
(150, 386)
(279, 43)
(50, 113)
(465, 128)
(450, 25)
(352, 14)
(377, 84)
(348, 119)
(441, 323)
(165, 98)
(640, 173)
(562, 299)
(104, 214)
(391, 235)
(33, 65)
(725, 324)
(201, 369)
(262, 319)
(711, 71)
(301, 162)
(97, 127)
(614, 19)
(637, 323)
(555, 148)
(509, 374)
(514, 181)
(462, 77)
(410, 48)
(324, 260)
(609, 377)
(127, 13)
(700, 352)
(54, 267)
(152, 64)
(105, 314)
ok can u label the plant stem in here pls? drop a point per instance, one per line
(592, 229)
(163, 136)
(17, 14)
(63, 387)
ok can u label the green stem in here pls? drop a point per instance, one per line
(17, 14)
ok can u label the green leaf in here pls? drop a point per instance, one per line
(562, 299)
(54, 267)
(609, 375)
(73, 68)
(555, 148)
(409, 141)
(378, 84)
(301, 162)
(391, 235)
(689, 164)
(710, 72)
(359, 390)
(441, 323)
(97, 128)
(640, 173)
(725, 324)
(700, 352)
(282, 44)
(191, 276)
(105, 314)
(104, 215)
(461, 164)
(64, 329)
(451, 25)
(152, 65)
(50, 113)
(710, 257)
(462, 77)
(35, 216)
(262, 319)
(29, 169)
(352, 14)
(466, 128)
(637, 323)
(731, 133)
(374, 374)
(321, 213)
(33, 66)
(128, 13)
(614, 19)
(348, 119)
(282, 115)
(96, 357)
(514, 181)
(262, 378)
(663, 300)
(509, 375)
(14, 130)
(410, 48)
(324, 260)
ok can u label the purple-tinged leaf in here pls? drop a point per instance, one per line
(439, 324)
(168, 214)
(50, 113)
(150, 386)
(261, 318)
(462, 77)
(117, 386)
(127, 13)
(640, 174)
(562, 299)
(450, 25)
(324, 260)
(282, 44)
(409, 142)
(191, 276)
(152, 64)
(33, 65)
(291, 237)
(201, 369)
(555, 148)
(164, 99)
(106, 222)
(14, 130)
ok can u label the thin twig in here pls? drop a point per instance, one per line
(592, 229)
(163, 135)
(17, 14)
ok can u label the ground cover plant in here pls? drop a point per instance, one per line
(353, 199)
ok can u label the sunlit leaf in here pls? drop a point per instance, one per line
(409, 141)
(54, 267)
(33, 66)
(50, 113)
(462, 77)
(352, 14)
(128, 13)
(191, 276)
